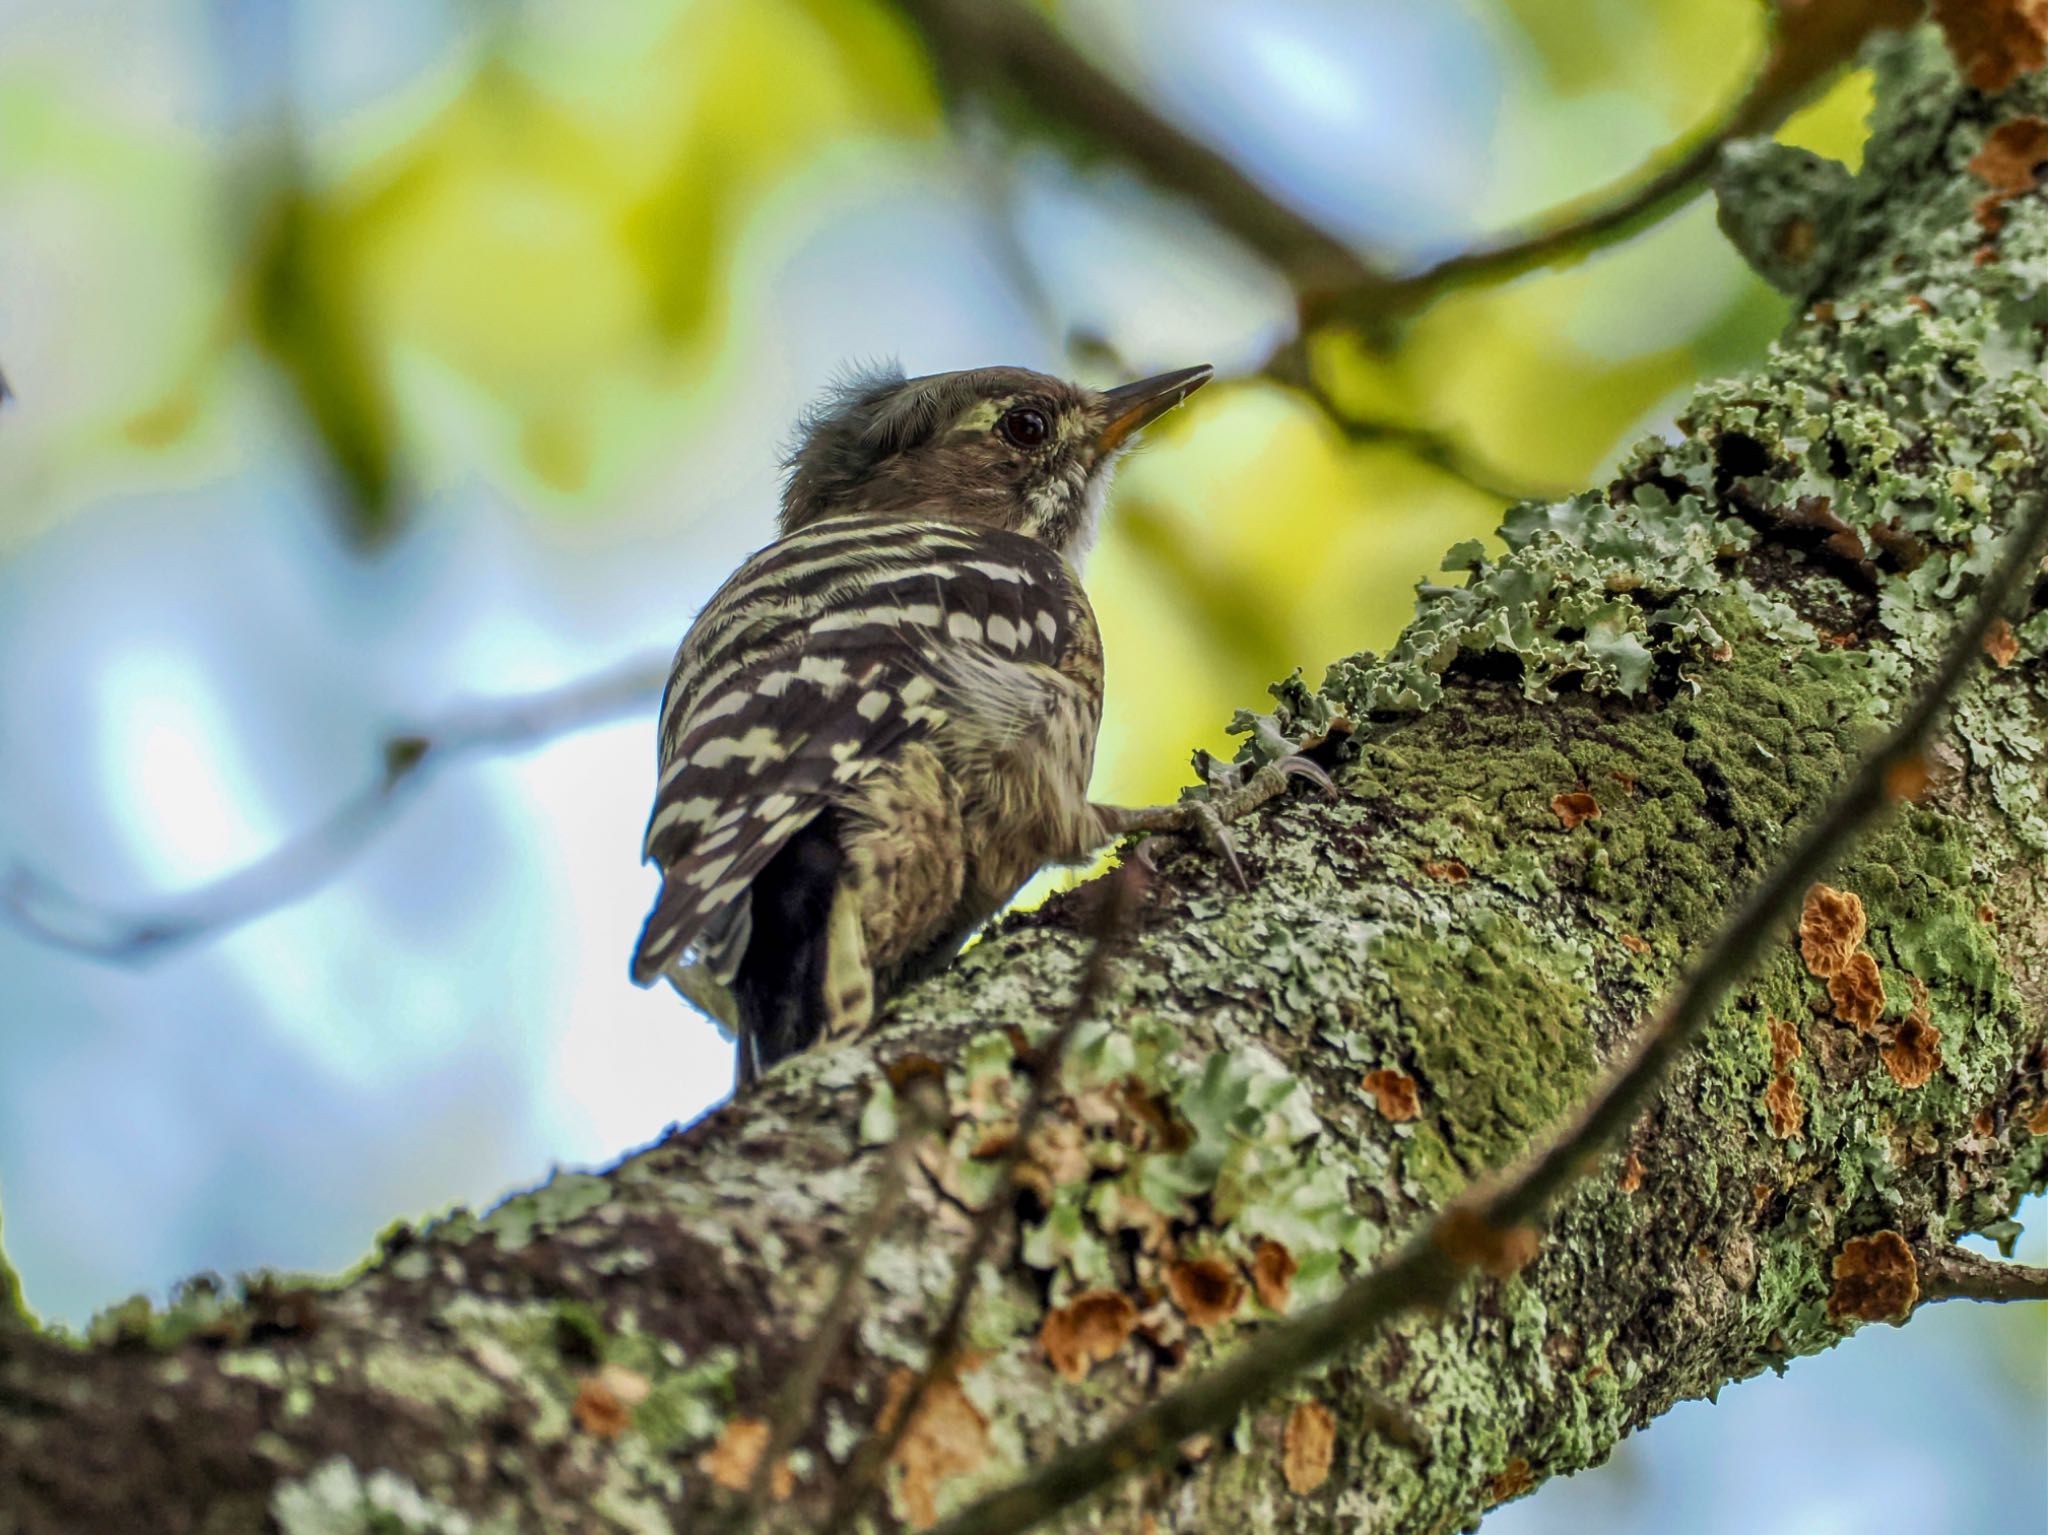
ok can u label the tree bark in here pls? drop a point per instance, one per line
(1551, 790)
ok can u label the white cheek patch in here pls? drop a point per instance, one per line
(1089, 523)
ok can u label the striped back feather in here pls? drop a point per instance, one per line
(804, 675)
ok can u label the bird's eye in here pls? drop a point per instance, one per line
(1023, 427)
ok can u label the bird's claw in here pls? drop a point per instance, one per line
(1269, 783)
(1215, 835)
(1301, 765)
(1211, 818)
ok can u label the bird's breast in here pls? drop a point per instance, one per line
(1028, 806)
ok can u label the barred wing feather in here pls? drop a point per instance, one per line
(806, 674)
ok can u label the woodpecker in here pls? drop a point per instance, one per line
(884, 722)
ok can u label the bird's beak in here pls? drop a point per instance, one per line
(1132, 406)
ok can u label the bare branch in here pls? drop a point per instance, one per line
(1002, 51)
(1956, 1273)
(1439, 449)
(1490, 1226)
(1117, 900)
(35, 905)
(1812, 40)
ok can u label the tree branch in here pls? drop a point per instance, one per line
(1490, 1229)
(1117, 899)
(923, 1106)
(1001, 51)
(38, 907)
(998, 49)
(1441, 450)
(1956, 1273)
(1811, 41)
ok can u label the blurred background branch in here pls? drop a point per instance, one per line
(1000, 52)
(1011, 58)
(37, 906)
(1811, 40)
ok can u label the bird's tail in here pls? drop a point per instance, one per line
(805, 971)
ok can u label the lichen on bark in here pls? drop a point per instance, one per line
(1605, 730)
(12, 1312)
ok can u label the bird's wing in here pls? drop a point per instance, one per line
(807, 673)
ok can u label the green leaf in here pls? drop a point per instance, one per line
(306, 312)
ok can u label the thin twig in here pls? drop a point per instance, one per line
(1289, 365)
(1445, 453)
(1121, 894)
(799, 1396)
(1956, 1273)
(35, 905)
(1430, 1265)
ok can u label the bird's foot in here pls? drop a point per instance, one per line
(1211, 818)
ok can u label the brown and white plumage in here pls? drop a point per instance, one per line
(884, 722)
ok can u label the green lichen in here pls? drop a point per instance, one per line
(13, 1309)
(630, 1512)
(259, 1365)
(201, 1307)
(336, 1499)
(541, 1353)
(561, 1200)
(686, 1405)
(1782, 208)
(1588, 593)
(1497, 1031)
(1242, 1156)
(878, 1120)
(1260, 1157)
(443, 1382)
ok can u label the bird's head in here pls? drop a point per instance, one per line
(1004, 447)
